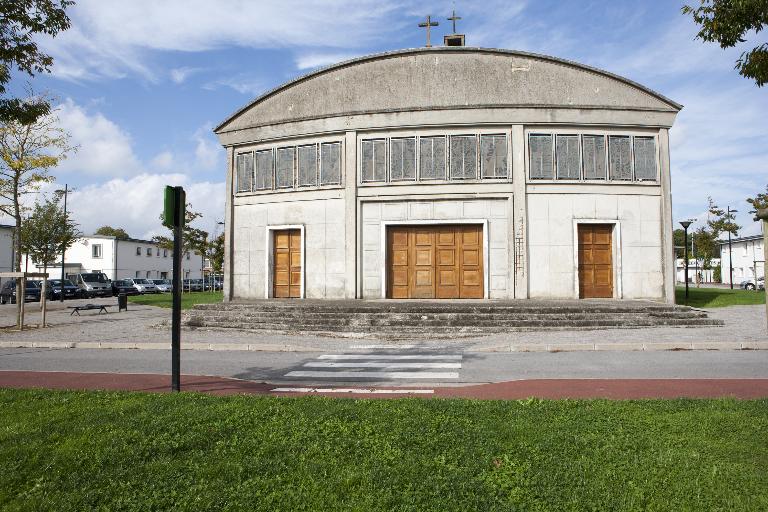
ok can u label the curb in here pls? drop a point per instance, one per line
(275, 347)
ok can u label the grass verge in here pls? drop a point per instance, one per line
(129, 451)
(718, 297)
(188, 300)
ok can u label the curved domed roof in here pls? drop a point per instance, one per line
(445, 78)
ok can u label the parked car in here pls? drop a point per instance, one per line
(143, 285)
(163, 285)
(753, 284)
(124, 286)
(8, 293)
(192, 285)
(53, 292)
(92, 284)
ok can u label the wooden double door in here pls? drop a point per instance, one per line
(595, 261)
(435, 262)
(286, 260)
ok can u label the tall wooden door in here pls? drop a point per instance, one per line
(286, 279)
(595, 261)
(427, 262)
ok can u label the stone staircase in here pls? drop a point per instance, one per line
(431, 319)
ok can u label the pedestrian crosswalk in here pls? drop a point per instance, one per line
(378, 366)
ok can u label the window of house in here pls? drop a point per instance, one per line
(163, 275)
(138, 251)
(619, 157)
(244, 164)
(432, 158)
(158, 252)
(149, 274)
(540, 150)
(463, 154)
(645, 158)
(593, 156)
(286, 159)
(403, 159)
(137, 274)
(493, 156)
(373, 160)
(96, 250)
(567, 157)
(330, 163)
(265, 169)
(149, 251)
(307, 166)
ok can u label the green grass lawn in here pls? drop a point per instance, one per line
(188, 299)
(718, 297)
(63, 451)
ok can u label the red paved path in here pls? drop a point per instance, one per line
(541, 388)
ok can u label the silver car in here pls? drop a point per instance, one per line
(143, 285)
(163, 285)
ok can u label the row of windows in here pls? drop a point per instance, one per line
(588, 157)
(453, 157)
(289, 167)
(157, 249)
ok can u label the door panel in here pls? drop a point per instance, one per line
(286, 279)
(434, 262)
(595, 260)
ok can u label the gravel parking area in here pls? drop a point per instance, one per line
(149, 327)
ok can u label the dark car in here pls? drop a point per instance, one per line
(123, 286)
(8, 293)
(53, 292)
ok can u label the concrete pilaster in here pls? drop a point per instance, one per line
(667, 241)
(350, 214)
(229, 230)
(518, 236)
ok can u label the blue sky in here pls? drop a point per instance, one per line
(142, 83)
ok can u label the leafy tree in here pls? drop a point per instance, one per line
(27, 154)
(678, 236)
(727, 22)
(20, 21)
(717, 274)
(48, 232)
(721, 221)
(705, 246)
(192, 239)
(216, 254)
(118, 233)
(759, 202)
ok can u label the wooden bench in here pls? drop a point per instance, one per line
(87, 307)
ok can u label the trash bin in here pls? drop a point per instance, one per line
(122, 302)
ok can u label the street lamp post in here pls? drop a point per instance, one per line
(730, 249)
(686, 224)
(63, 250)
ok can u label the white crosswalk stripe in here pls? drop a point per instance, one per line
(381, 367)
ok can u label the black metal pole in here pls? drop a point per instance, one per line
(730, 254)
(63, 250)
(686, 264)
(176, 311)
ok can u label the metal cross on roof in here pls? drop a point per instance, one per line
(429, 23)
(454, 18)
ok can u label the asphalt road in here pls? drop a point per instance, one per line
(400, 368)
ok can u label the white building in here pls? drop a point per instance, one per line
(451, 172)
(747, 258)
(695, 269)
(120, 259)
(6, 249)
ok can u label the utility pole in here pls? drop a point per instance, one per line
(173, 217)
(730, 249)
(63, 251)
(686, 224)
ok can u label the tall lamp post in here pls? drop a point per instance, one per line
(66, 189)
(730, 249)
(686, 224)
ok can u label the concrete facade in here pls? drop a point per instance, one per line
(6, 249)
(457, 94)
(120, 259)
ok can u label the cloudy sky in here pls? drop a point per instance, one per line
(141, 84)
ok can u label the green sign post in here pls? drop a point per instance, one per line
(173, 217)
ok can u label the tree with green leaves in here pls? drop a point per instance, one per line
(118, 233)
(216, 254)
(759, 202)
(678, 237)
(721, 221)
(20, 22)
(27, 154)
(705, 246)
(193, 239)
(727, 22)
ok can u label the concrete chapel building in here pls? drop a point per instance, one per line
(450, 172)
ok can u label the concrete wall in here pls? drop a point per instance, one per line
(323, 219)
(6, 250)
(377, 215)
(637, 240)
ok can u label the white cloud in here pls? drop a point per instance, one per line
(315, 60)
(208, 152)
(244, 84)
(180, 75)
(104, 149)
(135, 204)
(99, 45)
